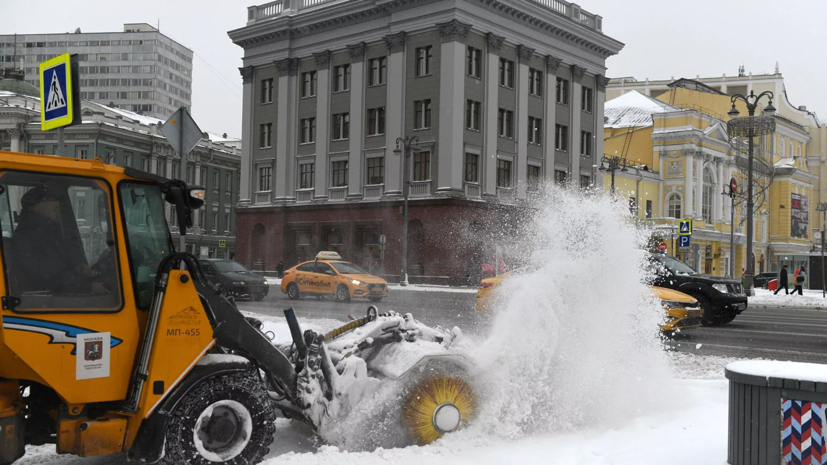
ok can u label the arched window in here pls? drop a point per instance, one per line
(674, 202)
(709, 191)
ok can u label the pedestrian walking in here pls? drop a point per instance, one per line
(799, 281)
(782, 281)
(280, 269)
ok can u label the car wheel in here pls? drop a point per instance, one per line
(227, 419)
(342, 293)
(375, 299)
(293, 291)
(711, 315)
(257, 297)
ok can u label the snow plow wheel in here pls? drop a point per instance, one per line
(226, 419)
(293, 291)
(437, 405)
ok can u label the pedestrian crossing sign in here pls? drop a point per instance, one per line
(222, 243)
(685, 228)
(59, 105)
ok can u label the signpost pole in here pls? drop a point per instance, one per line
(823, 274)
(61, 145)
(182, 241)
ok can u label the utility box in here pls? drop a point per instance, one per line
(776, 412)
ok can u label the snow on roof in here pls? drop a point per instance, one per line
(215, 137)
(787, 162)
(776, 369)
(142, 119)
(634, 109)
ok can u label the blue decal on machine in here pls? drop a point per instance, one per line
(59, 333)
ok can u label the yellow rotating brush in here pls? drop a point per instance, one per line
(437, 405)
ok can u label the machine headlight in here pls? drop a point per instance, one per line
(676, 304)
(355, 281)
(721, 288)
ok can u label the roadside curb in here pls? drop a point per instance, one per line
(766, 306)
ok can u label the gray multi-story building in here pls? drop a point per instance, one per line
(139, 69)
(123, 138)
(501, 94)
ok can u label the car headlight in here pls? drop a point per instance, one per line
(265, 282)
(238, 283)
(721, 288)
(355, 281)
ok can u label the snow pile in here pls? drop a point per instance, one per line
(811, 299)
(574, 342)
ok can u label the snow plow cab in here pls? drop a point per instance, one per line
(111, 341)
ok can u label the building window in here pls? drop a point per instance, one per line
(648, 209)
(562, 91)
(560, 177)
(474, 62)
(376, 170)
(503, 173)
(214, 229)
(376, 121)
(338, 172)
(585, 181)
(472, 115)
(309, 84)
(708, 193)
(633, 206)
(265, 174)
(266, 91)
(341, 126)
(505, 123)
(423, 61)
(308, 135)
(586, 99)
(535, 82)
(674, 203)
(422, 114)
(307, 173)
(228, 182)
(127, 160)
(585, 143)
(83, 154)
(472, 167)
(535, 130)
(506, 73)
(226, 222)
(561, 137)
(216, 179)
(422, 166)
(341, 78)
(266, 134)
(378, 71)
(533, 178)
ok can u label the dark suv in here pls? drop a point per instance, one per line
(721, 299)
(236, 279)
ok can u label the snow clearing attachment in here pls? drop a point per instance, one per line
(113, 342)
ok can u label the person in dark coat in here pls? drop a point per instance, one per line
(42, 259)
(280, 269)
(782, 281)
(799, 281)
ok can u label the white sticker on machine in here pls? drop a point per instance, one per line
(92, 355)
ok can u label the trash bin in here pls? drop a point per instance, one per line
(772, 285)
(776, 412)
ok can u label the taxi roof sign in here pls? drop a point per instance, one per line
(327, 255)
(59, 91)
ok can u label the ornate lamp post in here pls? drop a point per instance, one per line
(409, 145)
(613, 164)
(750, 127)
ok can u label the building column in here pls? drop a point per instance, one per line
(699, 187)
(600, 103)
(689, 160)
(394, 112)
(322, 118)
(550, 116)
(521, 131)
(357, 120)
(577, 74)
(719, 199)
(247, 141)
(286, 129)
(451, 107)
(662, 174)
(14, 134)
(491, 107)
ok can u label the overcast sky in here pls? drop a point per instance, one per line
(663, 38)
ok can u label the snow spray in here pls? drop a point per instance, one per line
(574, 338)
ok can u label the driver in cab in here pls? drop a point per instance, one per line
(45, 261)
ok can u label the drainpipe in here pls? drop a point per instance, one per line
(637, 190)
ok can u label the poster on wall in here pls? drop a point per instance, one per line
(799, 216)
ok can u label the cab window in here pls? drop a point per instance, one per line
(147, 236)
(59, 250)
(307, 267)
(324, 268)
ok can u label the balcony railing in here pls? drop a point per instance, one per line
(420, 188)
(304, 195)
(274, 9)
(263, 198)
(336, 193)
(374, 191)
(473, 190)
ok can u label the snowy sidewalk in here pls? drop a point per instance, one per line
(410, 288)
(811, 300)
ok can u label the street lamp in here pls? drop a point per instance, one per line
(614, 164)
(409, 145)
(822, 207)
(730, 190)
(750, 127)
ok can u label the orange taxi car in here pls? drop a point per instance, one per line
(330, 275)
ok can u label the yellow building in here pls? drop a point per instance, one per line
(678, 159)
